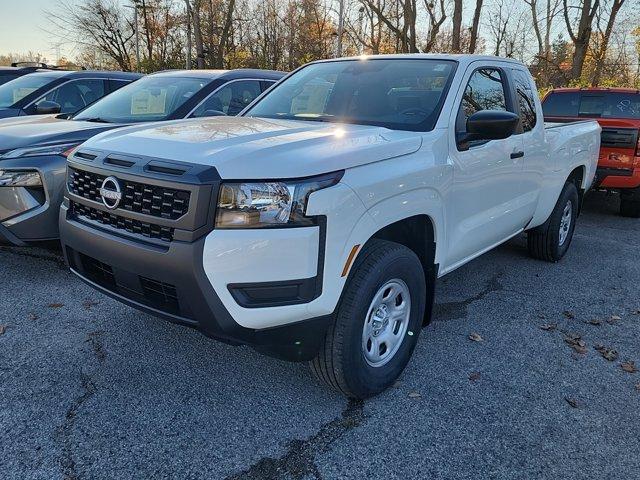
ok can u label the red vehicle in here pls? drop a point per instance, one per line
(618, 112)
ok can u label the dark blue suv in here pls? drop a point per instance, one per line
(18, 69)
(58, 91)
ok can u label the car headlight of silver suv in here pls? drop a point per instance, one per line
(269, 204)
(63, 149)
(20, 178)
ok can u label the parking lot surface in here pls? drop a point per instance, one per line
(90, 388)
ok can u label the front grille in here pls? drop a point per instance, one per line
(161, 202)
(145, 229)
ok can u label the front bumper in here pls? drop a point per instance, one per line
(31, 214)
(173, 285)
(616, 178)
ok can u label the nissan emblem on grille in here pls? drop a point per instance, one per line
(110, 192)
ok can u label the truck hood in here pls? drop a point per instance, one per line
(249, 147)
(45, 129)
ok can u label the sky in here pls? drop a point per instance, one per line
(22, 24)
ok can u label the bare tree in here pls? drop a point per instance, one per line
(96, 24)
(506, 24)
(475, 24)
(457, 26)
(436, 20)
(601, 53)
(404, 28)
(581, 35)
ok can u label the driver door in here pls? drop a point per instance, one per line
(486, 174)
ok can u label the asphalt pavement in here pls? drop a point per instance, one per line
(90, 388)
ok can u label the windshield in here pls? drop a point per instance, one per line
(150, 99)
(592, 105)
(398, 94)
(15, 90)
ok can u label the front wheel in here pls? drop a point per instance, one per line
(551, 240)
(377, 322)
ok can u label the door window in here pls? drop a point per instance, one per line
(231, 99)
(485, 91)
(526, 100)
(74, 95)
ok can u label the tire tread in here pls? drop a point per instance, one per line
(327, 366)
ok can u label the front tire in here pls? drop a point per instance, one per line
(377, 324)
(550, 241)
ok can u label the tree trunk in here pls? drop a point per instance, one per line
(473, 41)
(582, 36)
(197, 34)
(457, 26)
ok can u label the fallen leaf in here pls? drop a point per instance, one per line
(613, 319)
(629, 366)
(573, 403)
(575, 341)
(87, 304)
(3, 329)
(474, 376)
(414, 395)
(476, 337)
(398, 384)
(568, 314)
(33, 316)
(607, 353)
(542, 316)
(549, 326)
(595, 321)
(637, 312)
(55, 305)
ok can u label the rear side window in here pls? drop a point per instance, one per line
(592, 105)
(485, 91)
(526, 100)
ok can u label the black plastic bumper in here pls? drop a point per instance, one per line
(171, 283)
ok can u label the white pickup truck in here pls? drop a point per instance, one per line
(314, 226)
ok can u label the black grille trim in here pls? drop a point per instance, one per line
(156, 201)
(154, 293)
(99, 272)
(163, 295)
(619, 137)
(136, 227)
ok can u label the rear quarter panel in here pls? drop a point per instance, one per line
(571, 146)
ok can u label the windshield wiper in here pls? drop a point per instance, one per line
(94, 119)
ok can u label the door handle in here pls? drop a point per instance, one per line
(515, 155)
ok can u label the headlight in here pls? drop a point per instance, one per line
(269, 204)
(19, 178)
(63, 149)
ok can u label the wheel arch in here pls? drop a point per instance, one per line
(418, 234)
(578, 178)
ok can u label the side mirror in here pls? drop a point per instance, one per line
(490, 125)
(47, 107)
